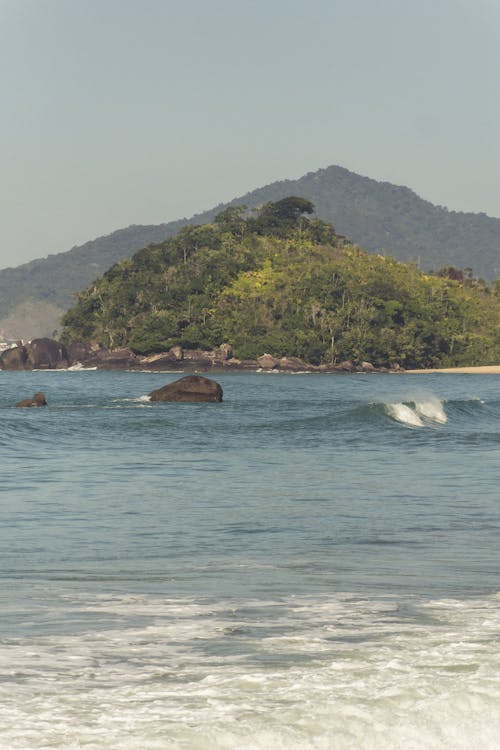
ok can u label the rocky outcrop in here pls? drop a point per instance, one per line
(50, 354)
(268, 362)
(46, 354)
(37, 400)
(191, 388)
(114, 359)
(14, 359)
(367, 367)
(80, 353)
(186, 359)
(39, 354)
(163, 361)
(293, 364)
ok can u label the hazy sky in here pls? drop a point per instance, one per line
(118, 112)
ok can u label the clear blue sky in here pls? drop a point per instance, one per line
(118, 112)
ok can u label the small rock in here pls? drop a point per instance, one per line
(37, 400)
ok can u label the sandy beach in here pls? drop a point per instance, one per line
(485, 370)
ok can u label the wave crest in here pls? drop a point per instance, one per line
(421, 413)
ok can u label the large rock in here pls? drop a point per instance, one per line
(115, 359)
(190, 388)
(46, 354)
(39, 354)
(268, 362)
(14, 359)
(81, 353)
(293, 363)
(37, 400)
(163, 361)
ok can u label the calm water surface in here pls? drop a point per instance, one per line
(313, 563)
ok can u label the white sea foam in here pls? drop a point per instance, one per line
(135, 400)
(432, 409)
(337, 672)
(403, 413)
(423, 411)
(78, 367)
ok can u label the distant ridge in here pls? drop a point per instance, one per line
(379, 216)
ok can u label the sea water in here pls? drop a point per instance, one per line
(313, 563)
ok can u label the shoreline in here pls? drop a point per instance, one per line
(479, 370)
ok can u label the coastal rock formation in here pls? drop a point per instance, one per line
(14, 359)
(37, 400)
(39, 354)
(115, 359)
(185, 359)
(367, 367)
(294, 364)
(190, 388)
(267, 362)
(347, 366)
(46, 354)
(82, 353)
(161, 361)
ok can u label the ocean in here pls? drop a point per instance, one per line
(312, 564)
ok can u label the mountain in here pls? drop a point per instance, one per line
(34, 296)
(379, 216)
(285, 284)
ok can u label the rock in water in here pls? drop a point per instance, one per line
(189, 389)
(46, 354)
(37, 400)
(14, 359)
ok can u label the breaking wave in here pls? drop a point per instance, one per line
(427, 412)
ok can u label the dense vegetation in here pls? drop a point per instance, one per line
(281, 282)
(380, 217)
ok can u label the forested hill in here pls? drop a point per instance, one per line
(387, 218)
(379, 216)
(283, 283)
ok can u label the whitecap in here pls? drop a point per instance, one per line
(431, 409)
(403, 413)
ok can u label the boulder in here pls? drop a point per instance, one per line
(224, 352)
(176, 352)
(82, 353)
(14, 359)
(115, 359)
(293, 364)
(162, 361)
(46, 354)
(190, 388)
(195, 358)
(37, 400)
(267, 362)
(347, 366)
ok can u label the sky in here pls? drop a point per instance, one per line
(119, 112)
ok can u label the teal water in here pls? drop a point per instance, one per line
(312, 563)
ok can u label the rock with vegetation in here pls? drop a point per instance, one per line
(191, 388)
(283, 283)
(37, 400)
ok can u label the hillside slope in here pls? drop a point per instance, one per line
(379, 216)
(285, 284)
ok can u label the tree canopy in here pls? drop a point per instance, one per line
(284, 283)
